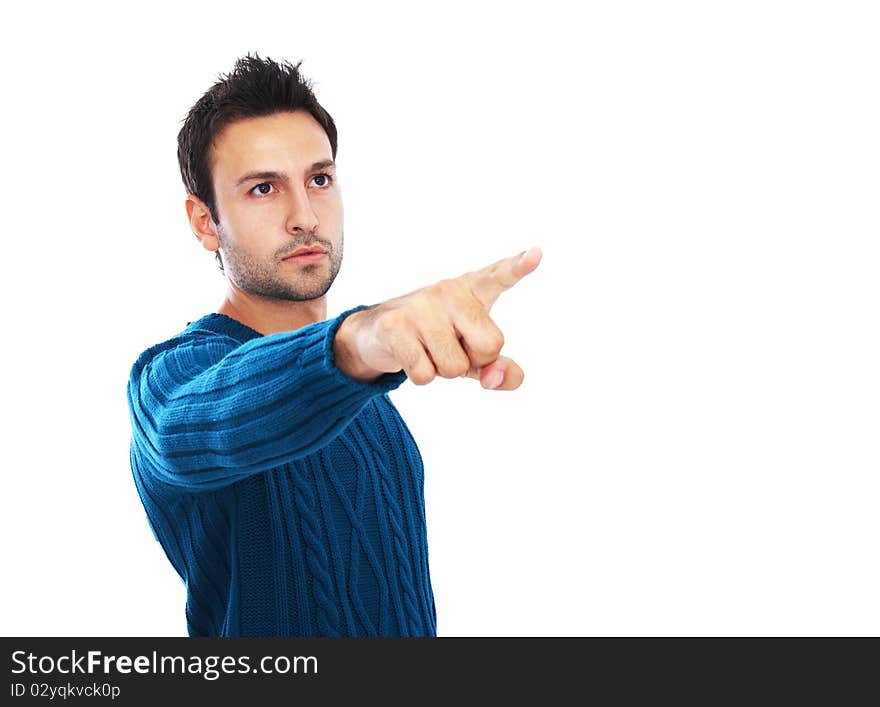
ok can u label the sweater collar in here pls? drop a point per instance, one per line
(224, 324)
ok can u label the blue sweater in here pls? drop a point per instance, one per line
(288, 496)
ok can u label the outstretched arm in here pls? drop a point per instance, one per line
(208, 413)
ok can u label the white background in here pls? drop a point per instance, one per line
(694, 450)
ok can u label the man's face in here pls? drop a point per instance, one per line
(264, 217)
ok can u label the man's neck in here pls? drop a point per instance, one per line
(270, 317)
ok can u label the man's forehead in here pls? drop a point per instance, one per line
(279, 141)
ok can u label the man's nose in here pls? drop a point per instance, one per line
(301, 215)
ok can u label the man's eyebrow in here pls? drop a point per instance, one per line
(282, 176)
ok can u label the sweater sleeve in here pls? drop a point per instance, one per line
(209, 412)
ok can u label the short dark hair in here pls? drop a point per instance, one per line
(255, 87)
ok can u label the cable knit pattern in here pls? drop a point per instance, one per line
(287, 496)
(319, 565)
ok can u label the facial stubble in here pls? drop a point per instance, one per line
(273, 279)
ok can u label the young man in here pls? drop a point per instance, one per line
(276, 473)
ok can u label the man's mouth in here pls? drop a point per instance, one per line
(305, 257)
(309, 250)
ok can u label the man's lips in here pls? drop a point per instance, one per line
(306, 250)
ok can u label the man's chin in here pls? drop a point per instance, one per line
(301, 295)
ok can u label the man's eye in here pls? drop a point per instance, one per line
(326, 179)
(259, 186)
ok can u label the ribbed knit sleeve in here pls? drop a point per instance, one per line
(210, 411)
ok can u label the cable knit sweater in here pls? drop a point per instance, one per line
(287, 495)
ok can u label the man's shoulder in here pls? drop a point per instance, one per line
(196, 336)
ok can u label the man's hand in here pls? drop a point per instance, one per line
(443, 329)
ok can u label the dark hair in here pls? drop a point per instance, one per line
(255, 87)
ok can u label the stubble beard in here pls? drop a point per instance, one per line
(276, 280)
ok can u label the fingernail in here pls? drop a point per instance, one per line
(495, 378)
(522, 256)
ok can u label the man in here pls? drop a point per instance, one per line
(276, 473)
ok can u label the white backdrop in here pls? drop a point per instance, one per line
(694, 450)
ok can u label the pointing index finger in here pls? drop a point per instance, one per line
(488, 283)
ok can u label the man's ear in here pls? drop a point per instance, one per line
(201, 222)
